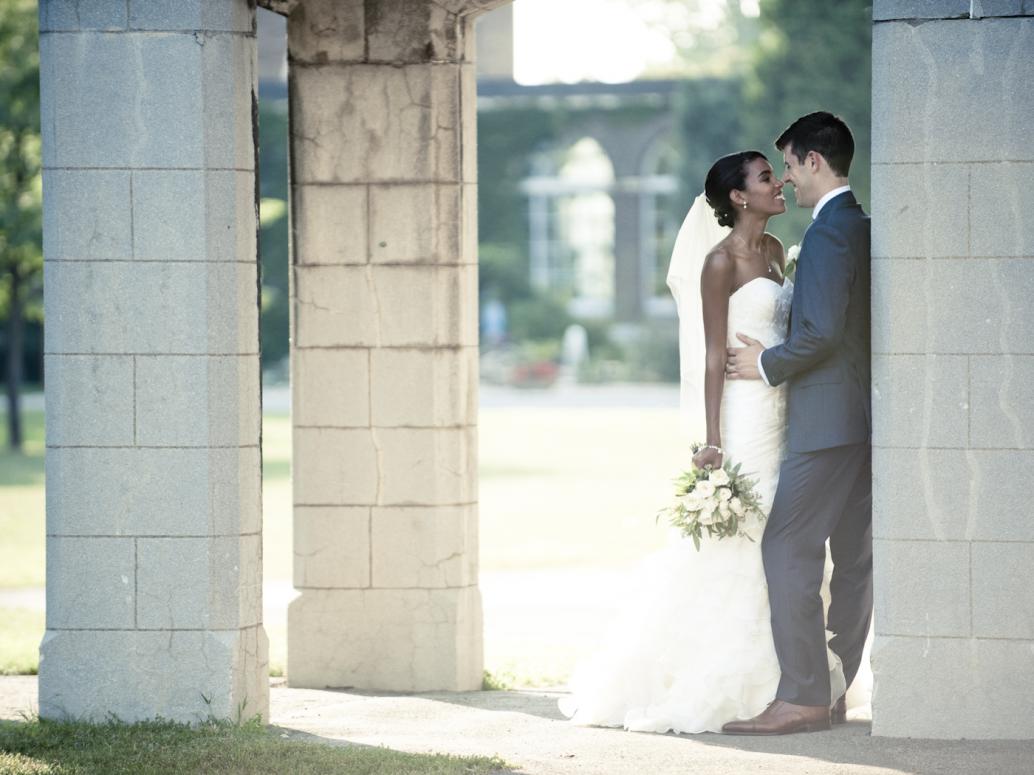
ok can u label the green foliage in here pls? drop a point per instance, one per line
(153, 747)
(539, 317)
(21, 259)
(811, 55)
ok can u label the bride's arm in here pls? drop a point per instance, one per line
(716, 281)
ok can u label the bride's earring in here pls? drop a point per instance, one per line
(744, 204)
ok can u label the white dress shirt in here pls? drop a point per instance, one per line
(814, 214)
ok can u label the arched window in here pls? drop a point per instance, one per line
(571, 219)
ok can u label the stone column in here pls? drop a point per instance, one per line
(628, 259)
(953, 369)
(153, 466)
(384, 358)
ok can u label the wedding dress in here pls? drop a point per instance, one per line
(692, 646)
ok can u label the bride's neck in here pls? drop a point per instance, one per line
(750, 230)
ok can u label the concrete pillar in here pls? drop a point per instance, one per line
(154, 593)
(628, 259)
(384, 336)
(953, 369)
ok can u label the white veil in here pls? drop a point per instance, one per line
(699, 233)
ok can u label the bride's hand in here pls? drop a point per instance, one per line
(708, 457)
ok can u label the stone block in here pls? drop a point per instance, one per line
(199, 583)
(983, 495)
(330, 225)
(920, 210)
(952, 688)
(984, 8)
(939, 94)
(331, 547)
(151, 308)
(419, 223)
(87, 214)
(386, 639)
(198, 401)
(192, 15)
(401, 31)
(137, 675)
(920, 400)
(376, 123)
(323, 32)
(193, 492)
(193, 215)
(468, 119)
(186, 103)
(920, 9)
(89, 400)
(434, 467)
(336, 467)
(925, 493)
(1003, 605)
(91, 582)
(330, 388)
(1002, 201)
(952, 306)
(385, 306)
(426, 306)
(74, 15)
(424, 388)
(335, 307)
(424, 547)
(1002, 400)
(921, 588)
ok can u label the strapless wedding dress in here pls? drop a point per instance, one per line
(692, 647)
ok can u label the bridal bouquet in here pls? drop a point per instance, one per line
(717, 501)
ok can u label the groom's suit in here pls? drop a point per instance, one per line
(825, 483)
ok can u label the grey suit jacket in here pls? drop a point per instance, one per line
(825, 359)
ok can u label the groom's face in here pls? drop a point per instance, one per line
(799, 175)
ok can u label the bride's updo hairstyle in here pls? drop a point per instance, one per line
(726, 175)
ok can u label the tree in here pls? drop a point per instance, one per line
(811, 55)
(21, 261)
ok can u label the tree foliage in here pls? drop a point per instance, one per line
(811, 55)
(21, 260)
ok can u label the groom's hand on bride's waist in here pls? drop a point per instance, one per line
(742, 362)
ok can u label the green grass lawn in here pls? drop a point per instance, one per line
(35, 747)
(558, 489)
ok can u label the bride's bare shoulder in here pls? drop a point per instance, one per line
(719, 265)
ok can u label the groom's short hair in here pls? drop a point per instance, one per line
(823, 133)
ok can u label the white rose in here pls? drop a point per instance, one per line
(707, 517)
(704, 489)
(719, 477)
(736, 505)
(724, 494)
(723, 509)
(691, 502)
(792, 252)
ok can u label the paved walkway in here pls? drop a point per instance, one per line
(525, 729)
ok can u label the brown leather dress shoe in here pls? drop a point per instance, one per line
(838, 713)
(782, 718)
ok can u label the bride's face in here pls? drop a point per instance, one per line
(764, 189)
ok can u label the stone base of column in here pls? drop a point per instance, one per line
(189, 676)
(409, 640)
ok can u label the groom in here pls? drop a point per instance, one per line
(825, 483)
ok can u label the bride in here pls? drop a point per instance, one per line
(694, 648)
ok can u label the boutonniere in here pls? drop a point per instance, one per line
(791, 262)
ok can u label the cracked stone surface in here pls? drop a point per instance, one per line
(384, 365)
(154, 594)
